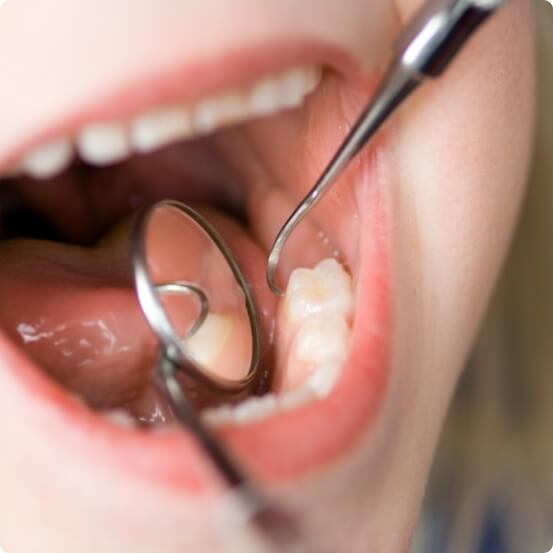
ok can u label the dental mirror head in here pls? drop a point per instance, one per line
(196, 299)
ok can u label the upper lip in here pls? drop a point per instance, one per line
(174, 458)
(179, 80)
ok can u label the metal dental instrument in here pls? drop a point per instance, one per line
(424, 49)
(277, 527)
(149, 295)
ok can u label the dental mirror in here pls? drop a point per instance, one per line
(196, 300)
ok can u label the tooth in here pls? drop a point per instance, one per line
(293, 87)
(210, 340)
(48, 160)
(264, 98)
(215, 112)
(103, 143)
(325, 289)
(322, 339)
(293, 399)
(153, 130)
(323, 379)
(218, 416)
(313, 74)
(119, 417)
(254, 409)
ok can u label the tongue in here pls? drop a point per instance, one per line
(75, 312)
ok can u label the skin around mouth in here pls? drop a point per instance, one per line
(85, 293)
(53, 286)
(354, 463)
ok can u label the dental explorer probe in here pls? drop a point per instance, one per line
(424, 49)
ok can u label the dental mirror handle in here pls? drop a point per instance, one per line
(276, 526)
(425, 47)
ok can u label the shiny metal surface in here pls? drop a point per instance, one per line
(149, 296)
(277, 528)
(424, 49)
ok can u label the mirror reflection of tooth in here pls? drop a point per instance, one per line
(210, 341)
(325, 289)
(322, 340)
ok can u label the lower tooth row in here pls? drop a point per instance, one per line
(316, 330)
(317, 316)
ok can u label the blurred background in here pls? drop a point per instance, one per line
(491, 487)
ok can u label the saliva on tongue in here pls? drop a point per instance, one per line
(74, 311)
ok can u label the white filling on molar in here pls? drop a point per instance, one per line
(159, 128)
(103, 143)
(48, 160)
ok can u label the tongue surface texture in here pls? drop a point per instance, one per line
(75, 312)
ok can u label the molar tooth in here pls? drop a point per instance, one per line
(210, 340)
(103, 143)
(312, 75)
(119, 417)
(159, 128)
(218, 416)
(325, 289)
(322, 380)
(294, 399)
(322, 339)
(254, 409)
(48, 160)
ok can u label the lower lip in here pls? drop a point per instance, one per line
(279, 448)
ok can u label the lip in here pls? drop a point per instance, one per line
(118, 101)
(320, 431)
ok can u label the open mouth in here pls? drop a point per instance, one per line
(76, 351)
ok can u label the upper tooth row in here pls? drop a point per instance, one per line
(109, 142)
